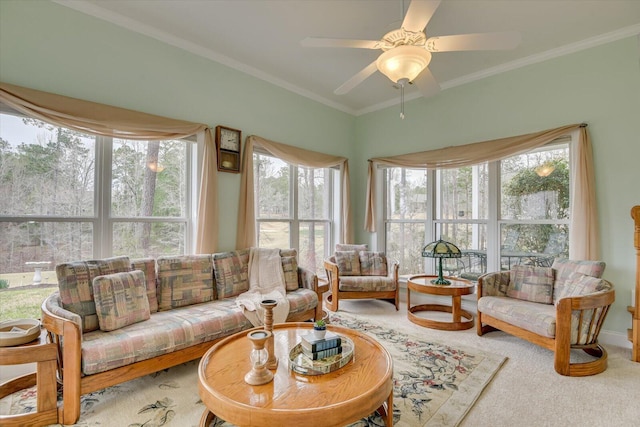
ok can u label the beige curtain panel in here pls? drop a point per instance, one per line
(584, 239)
(246, 234)
(98, 119)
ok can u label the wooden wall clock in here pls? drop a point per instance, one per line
(228, 145)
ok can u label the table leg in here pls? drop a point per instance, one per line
(456, 308)
(389, 416)
(408, 298)
(207, 418)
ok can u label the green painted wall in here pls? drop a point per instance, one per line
(53, 48)
(50, 47)
(599, 86)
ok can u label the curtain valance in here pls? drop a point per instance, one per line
(98, 119)
(584, 239)
(246, 233)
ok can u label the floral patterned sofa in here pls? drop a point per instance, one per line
(561, 307)
(118, 319)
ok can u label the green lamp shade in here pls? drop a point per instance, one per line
(441, 249)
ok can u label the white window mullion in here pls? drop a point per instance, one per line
(493, 225)
(103, 233)
(294, 227)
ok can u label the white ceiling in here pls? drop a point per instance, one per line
(262, 37)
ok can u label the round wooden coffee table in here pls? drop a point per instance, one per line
(458, 287)
(333, 399)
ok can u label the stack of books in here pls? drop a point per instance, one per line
(317, 349)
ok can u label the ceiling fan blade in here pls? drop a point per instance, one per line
(325, 42)
(427, 83)
(418, 14)
(357, 79)
(479, 41)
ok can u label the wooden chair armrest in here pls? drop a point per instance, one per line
(333, 273)
(307, 279)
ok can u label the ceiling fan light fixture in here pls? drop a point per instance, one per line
(403, 62)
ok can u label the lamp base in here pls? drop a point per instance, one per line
(440, 281)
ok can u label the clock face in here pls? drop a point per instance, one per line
(229, 140)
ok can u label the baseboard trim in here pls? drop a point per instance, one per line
(614, 338)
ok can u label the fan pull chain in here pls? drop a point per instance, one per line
(402, 102)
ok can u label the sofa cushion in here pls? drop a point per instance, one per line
(184, 280)
(373, 263)
(581, 284)
(348, 263)
(231, 270)
(301, 300)
(290, 268)
(537, 318)
(351, 247)
(148, 267)
(367, 284)
(75, 282)
(564, 268)
(121, 299)
(164, 332)
(530, 283)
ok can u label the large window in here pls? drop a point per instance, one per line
(499, 214)
(67, 196)
(294, 208)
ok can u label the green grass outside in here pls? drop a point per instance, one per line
(23, 303)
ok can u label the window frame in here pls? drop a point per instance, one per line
(101, 220)
(494, 221)
(333, 200)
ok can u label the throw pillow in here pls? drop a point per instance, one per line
(348, 263)
(350, 247)
(373, 263)
(580, 284)
(75, 282)
(185, 280)
(531, 283)
(231, 270)
(290, 268)
(121, 299)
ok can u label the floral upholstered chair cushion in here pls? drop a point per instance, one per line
(121, 299)
(531, 283)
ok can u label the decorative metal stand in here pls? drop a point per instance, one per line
(268, 306)
(259, 374)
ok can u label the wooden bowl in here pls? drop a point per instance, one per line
(17, 332)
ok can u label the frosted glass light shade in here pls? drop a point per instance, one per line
(403, 62)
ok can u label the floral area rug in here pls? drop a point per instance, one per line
(434, 385)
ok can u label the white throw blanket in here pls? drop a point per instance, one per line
(266, 281)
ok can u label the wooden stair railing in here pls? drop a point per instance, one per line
(634, 332)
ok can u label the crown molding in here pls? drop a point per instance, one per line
(138, 27)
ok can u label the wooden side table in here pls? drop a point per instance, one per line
(458, 287)
(45, 356)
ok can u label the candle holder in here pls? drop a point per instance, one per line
(259, 374)
(268, 305)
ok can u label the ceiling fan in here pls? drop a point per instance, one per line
(407, 50)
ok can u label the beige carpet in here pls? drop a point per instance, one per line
(527, 391)
(435, 384)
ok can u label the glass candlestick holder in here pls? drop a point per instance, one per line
(259, 374)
